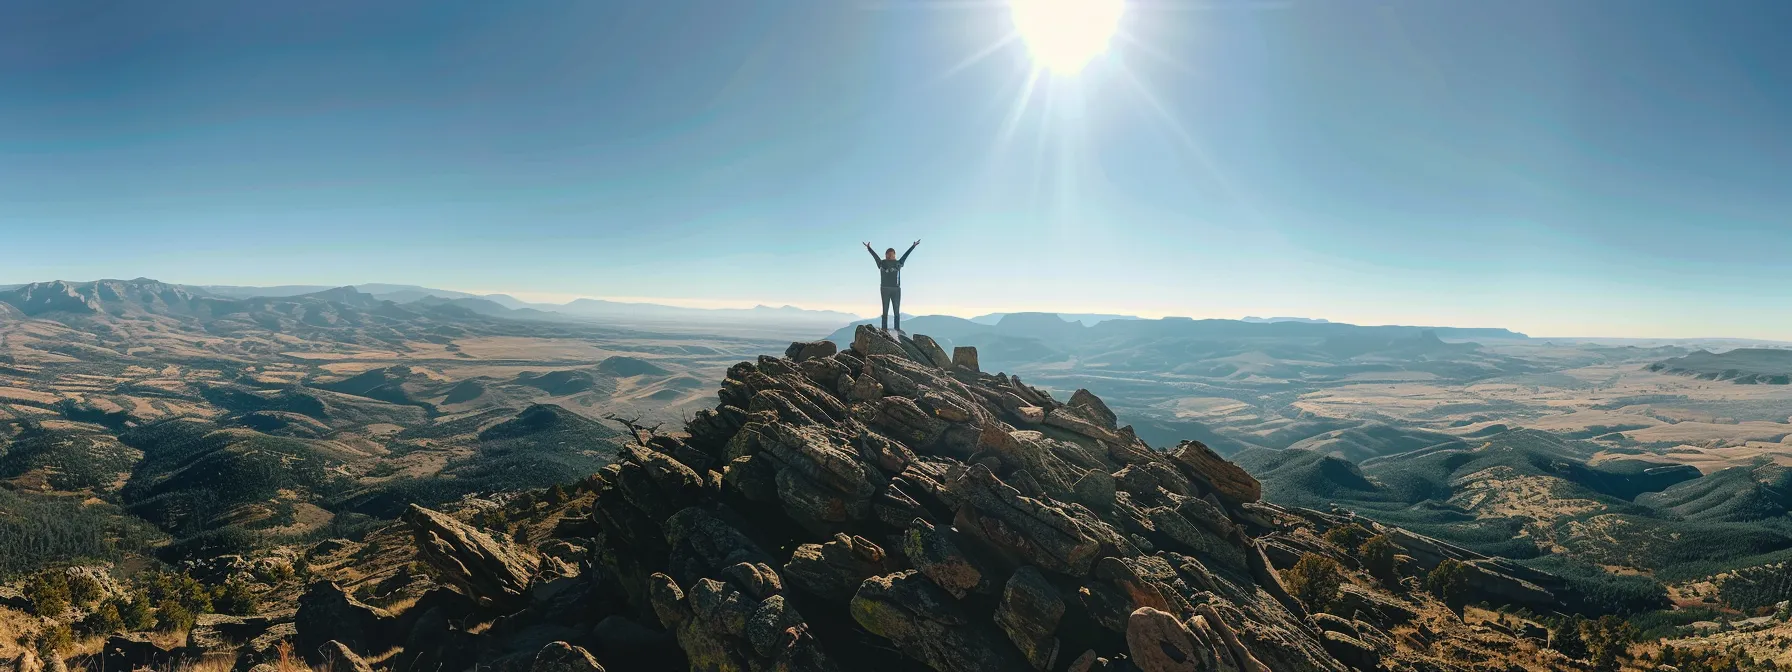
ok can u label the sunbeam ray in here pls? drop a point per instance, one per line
(975, 58)
(1020, 107)
(1134, 43)
(1188, 142)
(1039, 156)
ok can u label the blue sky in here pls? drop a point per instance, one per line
(1597, 167)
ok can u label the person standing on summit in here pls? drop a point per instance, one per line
(890, 267)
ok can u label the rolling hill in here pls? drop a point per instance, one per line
(1525, 493)
(1742, 366)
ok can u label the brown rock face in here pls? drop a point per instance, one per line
(339, 658)
(1093, 408)
(804, 351)
(929, 626)
(327, 615)
(1214, 473)
(489, 571)
(936, 555)
(1161, 643)
(965, 357)
(1030, 610)
(563, 657)
(835, 569)
(935, 354)
(868, 341)
(915, 510)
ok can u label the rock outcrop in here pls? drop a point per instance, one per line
(881, 507)
(963, 520)
(490, 572)
(328, 615)
(563, 657)
(338, 657)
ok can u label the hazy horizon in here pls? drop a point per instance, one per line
(1606, 168)
(552, 299)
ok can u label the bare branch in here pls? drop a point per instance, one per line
(634, 427)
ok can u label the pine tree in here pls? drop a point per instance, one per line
(105, 620)
(1314, 580)
(1377, 555)
(49, 593)
(135, 612)
(54, 640)
(1567, 639)
(236, 599)
(1448, 581)
(171, 616)
(83, 589)
(1347, 537)
(1608, 639)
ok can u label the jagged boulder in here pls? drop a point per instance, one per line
(1490, 583)
(328, 613)
(721, 628)
(1356, 653)
(432, 633)
(1159, 642)
(338, 657)
(123, 653)
(929, 626)
(218, 632)
(1384, 612)
(1093, 407)
(1215, 473)
(265, 647)
(704, 544)
(806, 350)
(932, 551)
(563, 657)
(491, 572)
(868, 340)
(1025, 529)
(1077, 422)
(932, 351)
(1029, 613)
(835, 569)
(965, 357)
(819, 478)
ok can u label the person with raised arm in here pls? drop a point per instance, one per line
(890, 268)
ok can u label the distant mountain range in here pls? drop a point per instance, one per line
(1744, 366)
(1265, 320)
(1077, 327)
(494, 305)
(1087, 319)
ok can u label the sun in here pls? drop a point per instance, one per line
(1064, 35)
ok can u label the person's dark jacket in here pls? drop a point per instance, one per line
(891, 269)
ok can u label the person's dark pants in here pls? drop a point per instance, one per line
(893, 304)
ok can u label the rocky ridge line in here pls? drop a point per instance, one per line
(884, 507)
(853, 509)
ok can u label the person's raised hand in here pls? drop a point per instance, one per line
(917, 242)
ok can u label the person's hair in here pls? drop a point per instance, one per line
(889, 251)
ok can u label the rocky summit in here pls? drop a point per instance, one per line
(890, 507)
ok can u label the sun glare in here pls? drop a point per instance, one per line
(1064, 35)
